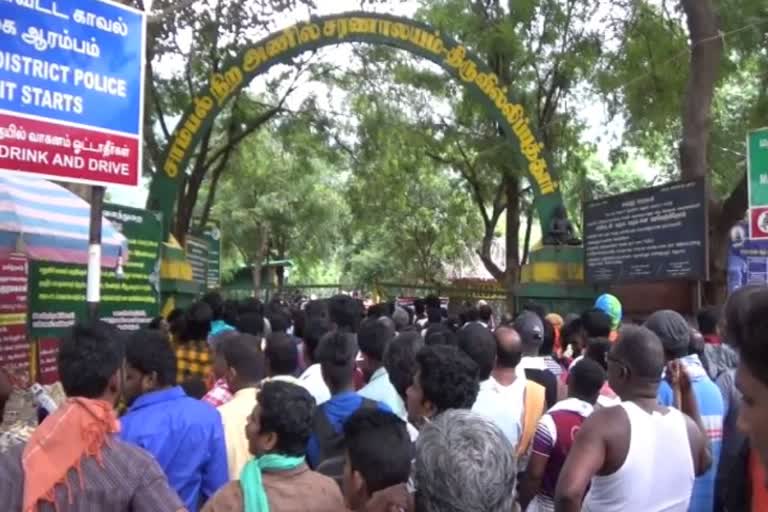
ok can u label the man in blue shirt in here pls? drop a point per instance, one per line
(184, 435)
(675, 335)
(336, 354)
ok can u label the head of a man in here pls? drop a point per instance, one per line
(708, 321)
(197, 322)
(446, 378)
(746, 325)
(477, 342)
(282, 354)
(596, 323)
(345, 312)
(90, 362)
(243, 359)
(531, 330)
(150, 364)
(464, 462)
(281, 422)
(336, 354)
(216, 302)
(379, 455)
(484, 313)
(400, 360)
(585, 380)
(509, 348)
(316, 328)
(635, 363)
(673, 331)
(373, 337)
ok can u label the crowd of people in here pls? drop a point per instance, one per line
(248, 407)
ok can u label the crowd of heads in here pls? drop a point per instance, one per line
(434, 361)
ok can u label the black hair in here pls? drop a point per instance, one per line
(432, 301)
(379, 448)
(243, 353)
(439, 334)
(548, 339)
(641, 350)
(282, 353)
(198, 322)
(151, 352)
(434, 315)
(345, 312)
(597, 350)
(194, 387)
(571, 329)
(377, 310)
(251, 305)
(587, 378)
(317, 309)
(279, 321)
(485, 313)
(336, 354)
(177, 321)
(373, 337)
(230, 313)
(250, 323)
(89, 355)
(506, 358)
(478, 343)
(419, 307)
(155, 323)
(286, 410)
(596, 323)
(746, 322)
(299, 320)
(448, 377)
(216, 303)
(316, 329)
(400, 360)
(708, 319)
(469, 314)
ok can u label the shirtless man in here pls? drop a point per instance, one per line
(638, 456)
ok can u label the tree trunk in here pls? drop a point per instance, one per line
(512, 272)
(706, 54)
(527, 241)
(259, 257)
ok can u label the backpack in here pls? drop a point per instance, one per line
(332, 444)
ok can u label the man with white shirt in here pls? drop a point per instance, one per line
(312, 378)
(533, 366)
(373, 338)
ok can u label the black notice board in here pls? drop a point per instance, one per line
(648, 235)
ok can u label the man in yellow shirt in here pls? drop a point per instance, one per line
(244, 360)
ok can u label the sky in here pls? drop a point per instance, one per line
(599, 128)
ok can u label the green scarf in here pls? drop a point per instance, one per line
(254, 497)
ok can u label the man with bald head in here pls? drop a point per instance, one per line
(638, 455)
(503, 394)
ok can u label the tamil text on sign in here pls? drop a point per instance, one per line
(651, 234)
(71, 74)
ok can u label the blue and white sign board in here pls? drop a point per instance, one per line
(71, 89)
(747, 259)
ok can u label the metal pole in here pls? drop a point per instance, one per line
(93, 287)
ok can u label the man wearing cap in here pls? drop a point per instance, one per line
(533, 366)
(675, 336)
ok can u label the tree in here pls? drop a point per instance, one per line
(695, 119)
(187, 42)
(280, 199)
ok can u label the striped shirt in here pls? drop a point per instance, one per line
(127, 479)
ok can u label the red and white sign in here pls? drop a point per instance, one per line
(48, 354)
(14, 345)
(68, 153)
(758, 223)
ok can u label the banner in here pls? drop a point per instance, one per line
(747, 259)
(213, 235)
(129, 295)
(757, 180)
(71, 90)
(197, 255)
(14, 345)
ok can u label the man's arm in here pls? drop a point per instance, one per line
(543, 442)
(586, 458)
(215, 471)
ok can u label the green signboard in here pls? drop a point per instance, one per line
(213, 235)
(757, 167)
(197, 255)
(129, 295)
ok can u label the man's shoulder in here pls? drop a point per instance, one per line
(125, 451)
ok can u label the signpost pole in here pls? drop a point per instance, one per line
(93, 286)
